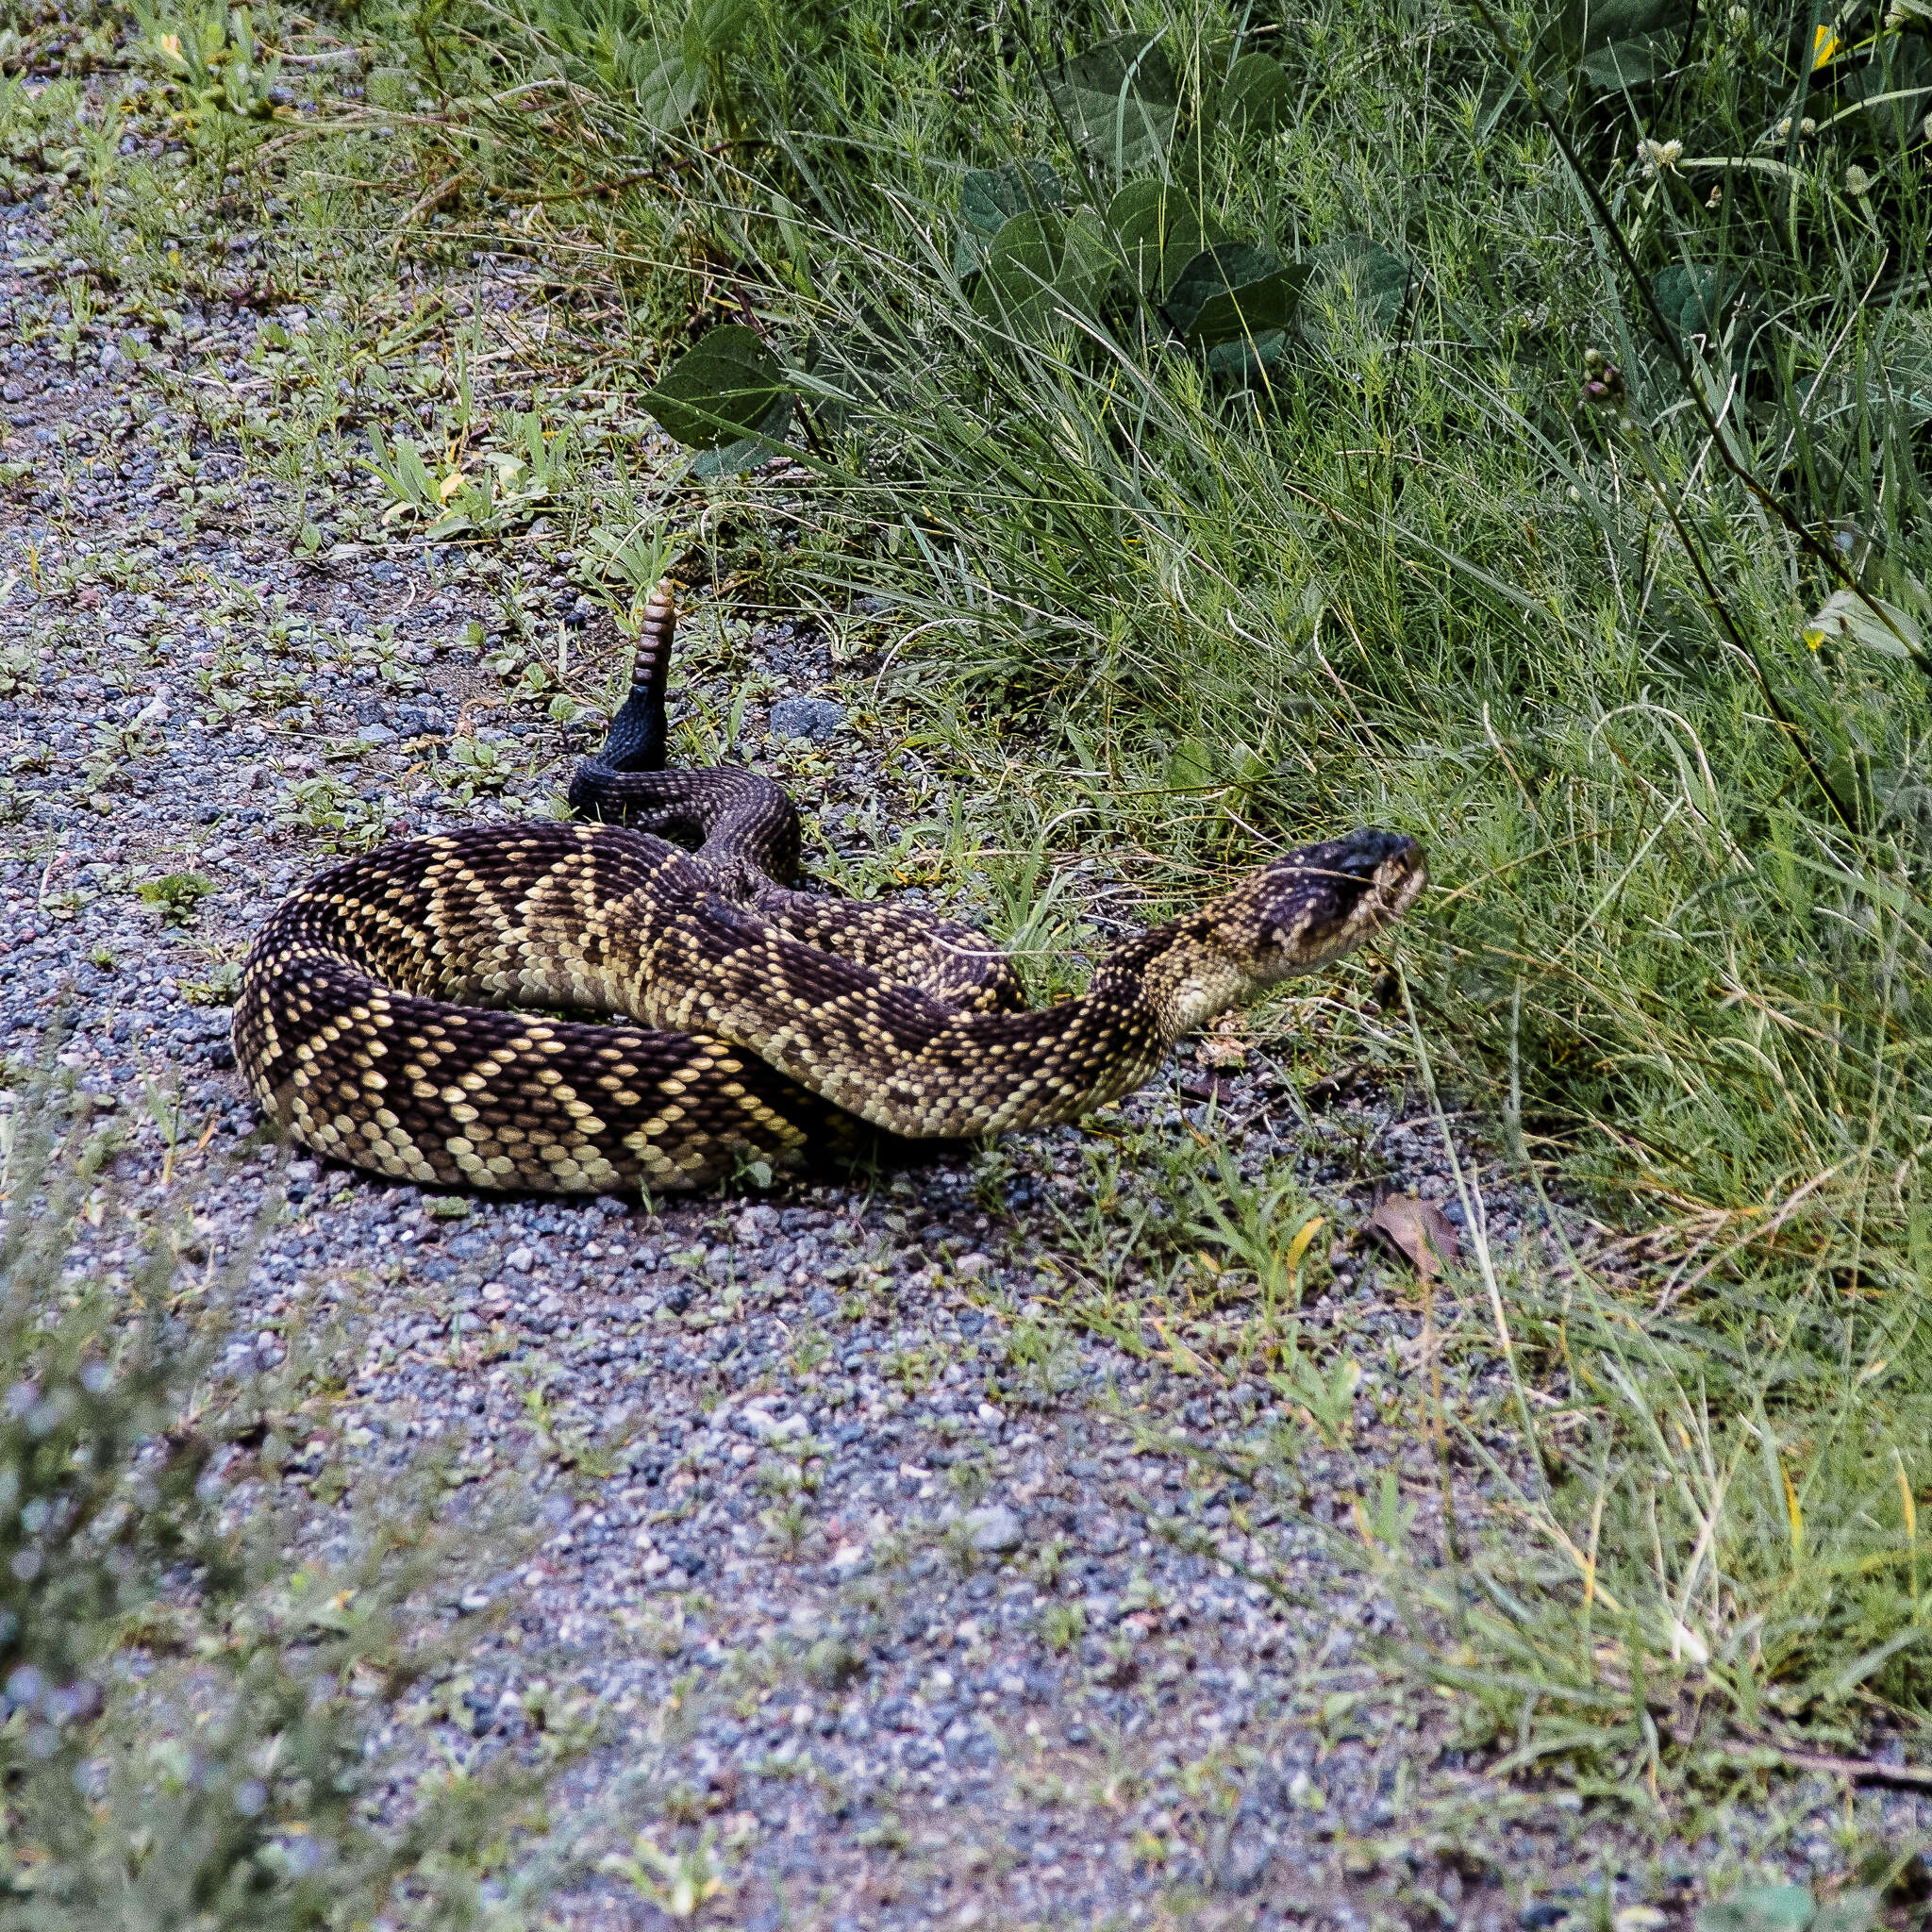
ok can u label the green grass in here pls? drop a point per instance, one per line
(1156, 624)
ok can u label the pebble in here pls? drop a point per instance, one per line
(817, 719)
(995, 1530)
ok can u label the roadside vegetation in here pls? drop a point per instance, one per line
(193, 1732)
(1246, 423)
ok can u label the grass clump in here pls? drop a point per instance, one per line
(186, 1733)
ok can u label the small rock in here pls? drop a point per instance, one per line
(848, 1561)
(520, 1260)
(1245, 1864)
(756, 1422)
(817, 719)
(376, 734)
(995, 1529)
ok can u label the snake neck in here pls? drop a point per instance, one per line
(1178, 974)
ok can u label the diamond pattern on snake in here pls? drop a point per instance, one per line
(388, 1014)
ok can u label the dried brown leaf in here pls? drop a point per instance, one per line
(1415, 1231)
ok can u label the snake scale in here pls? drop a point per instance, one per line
(392, 1013)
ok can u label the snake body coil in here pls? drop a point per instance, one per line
(377, 1019)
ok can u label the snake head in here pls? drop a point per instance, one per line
(1321, 902)
(1301, 911)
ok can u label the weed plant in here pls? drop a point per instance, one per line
(190, 1731)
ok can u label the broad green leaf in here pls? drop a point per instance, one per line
(1380, 280)
(1693, 300)
(1244, 361)
(1038, 264)
(1157, 228)
(743, 452)
(672, 70)
(669, 84)
(1019, 268)
(1121, 100)
(1232, 290)
(1630, 63)
(1258, 92)
(714, 28)
(721, 388)
(1595, 24)
(990, 198)
(1090, 263)
(1611, 44)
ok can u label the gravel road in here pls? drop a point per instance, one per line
(933, 1608)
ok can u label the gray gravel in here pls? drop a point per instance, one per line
(938, 1610)
(815, 718)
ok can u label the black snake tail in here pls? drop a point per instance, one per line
(736, 821)
(639, 733)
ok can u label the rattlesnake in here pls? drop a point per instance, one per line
(378, 1014)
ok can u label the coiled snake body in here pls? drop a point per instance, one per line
(378, 1015)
